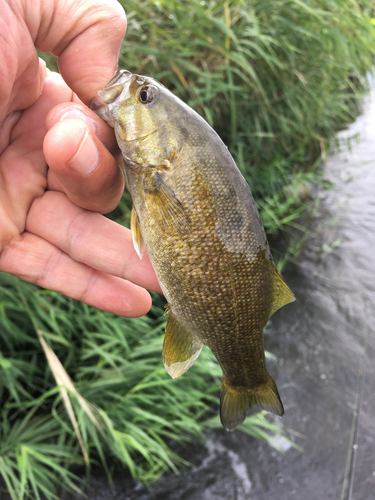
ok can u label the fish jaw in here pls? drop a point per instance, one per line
(110, 96)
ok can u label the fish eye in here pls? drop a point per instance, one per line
(147, 95)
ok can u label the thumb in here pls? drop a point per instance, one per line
(87, 42)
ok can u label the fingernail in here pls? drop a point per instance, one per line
(86, 158)
(42, 62)
(76, 114)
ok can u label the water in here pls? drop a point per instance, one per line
(320, 340)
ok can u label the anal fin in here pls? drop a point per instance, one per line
(181, 348)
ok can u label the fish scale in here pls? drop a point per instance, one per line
(194, 212)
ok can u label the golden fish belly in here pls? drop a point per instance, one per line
(223, 298)
(210, 253)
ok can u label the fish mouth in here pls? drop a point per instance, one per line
(109, 96)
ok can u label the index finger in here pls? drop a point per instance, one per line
(90, 238)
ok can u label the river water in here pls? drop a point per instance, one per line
(322, 341)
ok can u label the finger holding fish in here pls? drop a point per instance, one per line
(80, 150)
(91, 239)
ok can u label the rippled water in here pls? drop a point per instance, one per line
(320, 341)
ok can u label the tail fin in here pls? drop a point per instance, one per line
(235, 401)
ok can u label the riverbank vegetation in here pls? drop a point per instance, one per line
(276, 79)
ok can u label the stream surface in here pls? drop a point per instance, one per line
(321, 341)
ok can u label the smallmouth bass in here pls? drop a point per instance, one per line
(194, 212)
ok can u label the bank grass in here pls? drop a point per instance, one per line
(81, 387)
(275, 78)
(268, 75)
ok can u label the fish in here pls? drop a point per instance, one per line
(194, 212)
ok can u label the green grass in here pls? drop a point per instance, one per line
(275, 78)
(281, 72)
(126, 409)
(78, 387)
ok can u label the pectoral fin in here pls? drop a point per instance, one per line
(180, 348)
(139, 244)
(282, 294)
(171, 209)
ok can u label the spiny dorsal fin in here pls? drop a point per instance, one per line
(180, 349)
(282, 294)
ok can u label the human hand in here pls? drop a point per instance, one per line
(57, 175)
